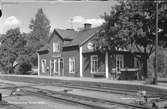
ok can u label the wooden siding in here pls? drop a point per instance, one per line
(87, 64)
(45, 56)
(50, 55)
(67, 53)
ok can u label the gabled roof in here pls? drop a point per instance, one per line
(64, 34)
(83, 36)
(45, 48)
(67, 34)
(71, 37)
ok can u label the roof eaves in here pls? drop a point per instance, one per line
(54, 31)
(90, 37)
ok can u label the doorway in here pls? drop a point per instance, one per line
(58, 66)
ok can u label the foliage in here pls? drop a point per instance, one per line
(12, 45)
(132, 24)
(21, 48)
(40, 28)
(23, 65)
(162, 63)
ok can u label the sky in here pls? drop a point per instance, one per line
(62, 15)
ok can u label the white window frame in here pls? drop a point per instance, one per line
(96, 70)
(56, 47)
(43, 67)
(62, 64)
(135, 62)
(120, 64)
(58, 67)
(71, 67)
(51, 67)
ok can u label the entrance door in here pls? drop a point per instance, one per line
(58, 66)
(119, 63)
(62, 66)
(51, 67)
(119, 66)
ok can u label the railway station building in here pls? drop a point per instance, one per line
(72, 53)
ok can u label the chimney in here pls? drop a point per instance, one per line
(87, 26)
(70, 29)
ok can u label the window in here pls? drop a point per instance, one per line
(94, 64)
(135, 62)
(61, 65)
(56, 47)
(43, 64)
(119, 62)
(71, 65)
(51, 67)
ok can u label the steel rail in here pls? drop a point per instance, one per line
(71, 96)
(107, 89)
(84, 100)
(97, 88)
(95, 103)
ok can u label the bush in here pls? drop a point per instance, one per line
(23, 65)
(23, 68)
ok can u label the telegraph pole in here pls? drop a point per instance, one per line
(0, 8)
(156, 45)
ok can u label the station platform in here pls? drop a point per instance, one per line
(161, 87)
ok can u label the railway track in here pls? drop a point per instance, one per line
(96, 87)
(93, 103)
(100, 88)
(110, 90)
(103, 87)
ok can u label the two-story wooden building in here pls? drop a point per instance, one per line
(72, 53)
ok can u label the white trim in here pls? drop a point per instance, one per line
(71, 60)
(126, 69)
(106, 65)
(83, 42)
(80, 56)
(58, 66)
(58, 61)
(120, 60)
(43, 67)
(129, 69)
(63, 65)
(50, 67)
(91, 63)
(39, 64)
(135, 62)
(54, 70)
(56, 47)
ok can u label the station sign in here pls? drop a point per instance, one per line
(90, 46)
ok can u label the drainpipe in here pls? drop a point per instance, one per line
(81, 58)
(0, 8)
(106, 65)
(38, 64)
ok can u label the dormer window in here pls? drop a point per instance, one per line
(56, 47)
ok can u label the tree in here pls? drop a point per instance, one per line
(132, 23)
(12, 45)
(40, 28)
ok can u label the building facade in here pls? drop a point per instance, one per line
(72, 53)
